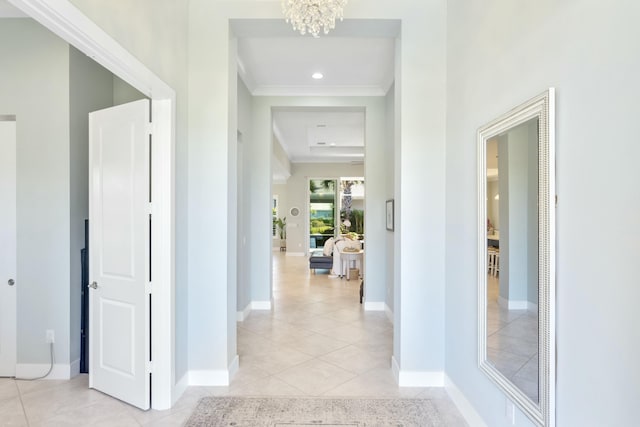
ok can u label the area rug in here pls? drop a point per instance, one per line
(303, 412)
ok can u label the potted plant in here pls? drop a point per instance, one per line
(281, 223)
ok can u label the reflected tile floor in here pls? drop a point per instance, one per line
(512, 341)
(317, 341)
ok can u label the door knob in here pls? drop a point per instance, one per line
(11, 282)
(93, 285)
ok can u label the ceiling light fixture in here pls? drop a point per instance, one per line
(317, 76)
(313, 15)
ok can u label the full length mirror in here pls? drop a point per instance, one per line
(516, 255)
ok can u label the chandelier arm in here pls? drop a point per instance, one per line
(312, 16)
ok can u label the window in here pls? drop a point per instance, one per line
(322, 211)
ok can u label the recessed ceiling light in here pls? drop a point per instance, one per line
(317, 76)
(333, 144)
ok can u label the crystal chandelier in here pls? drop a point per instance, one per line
(313, 15)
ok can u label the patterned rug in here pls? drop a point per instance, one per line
(302, 412)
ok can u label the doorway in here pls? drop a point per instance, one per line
(8, 237)
(76, 29)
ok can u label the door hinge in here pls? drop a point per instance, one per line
(149, 367)
(149, 208)
(149, 129)
(147, 288)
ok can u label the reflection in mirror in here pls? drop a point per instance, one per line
(512, 253)
(516, 342)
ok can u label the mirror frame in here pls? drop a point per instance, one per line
(542, 413)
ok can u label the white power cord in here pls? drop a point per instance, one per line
(48, 372)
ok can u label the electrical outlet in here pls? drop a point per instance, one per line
(51, 337)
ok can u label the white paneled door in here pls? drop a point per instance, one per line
(119, 252)
(8, 246)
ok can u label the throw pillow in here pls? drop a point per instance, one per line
(328, 247)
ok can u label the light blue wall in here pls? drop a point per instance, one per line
(91, 88)
(123, 92)
(34, 85)
(389, 154)
(245, 107)
(499, 54)
(518, 207)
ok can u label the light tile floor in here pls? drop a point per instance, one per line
(512, 341)
(317, 341)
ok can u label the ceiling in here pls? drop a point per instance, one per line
(321, 134)
(357, 59)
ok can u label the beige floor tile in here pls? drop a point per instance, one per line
(315, 377)
(176, 419)
(8, 389)
(11, 412)
(269, 386)
(276, 360)
(105, 412)
(318, 324)
(376, 382)
(350, 333)
(316, 344)
(316, 341)
(353, 359)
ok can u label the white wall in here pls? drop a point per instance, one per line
(34, 83)
(91, 88)
(499, 55)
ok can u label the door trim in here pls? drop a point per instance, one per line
(70, 24)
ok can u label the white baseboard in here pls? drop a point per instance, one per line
(416, 378)
(243, 314)
(234, 367)
(464, 406)
(389, 313)
(513, 304)
(74, 368)
(180, 388)
(60, 371)
(211, 377)
(295, 254)
(374, 306)
(421, 378)
(214, 377)
(261, 305)
(395, 369)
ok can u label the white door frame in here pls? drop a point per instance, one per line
(8, 264)
(66, 21)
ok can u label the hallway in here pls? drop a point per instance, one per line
(318, 341)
